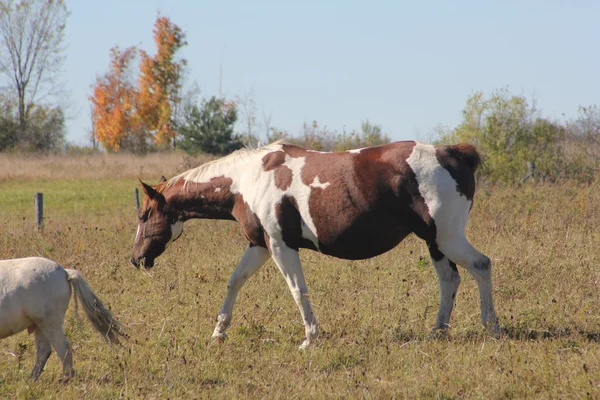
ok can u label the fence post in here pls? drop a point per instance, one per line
(39, 210)
(137, 199)
(530, 171)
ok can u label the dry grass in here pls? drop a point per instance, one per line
(95, 166)
(375, 315)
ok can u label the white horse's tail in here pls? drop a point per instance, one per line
(100, 317)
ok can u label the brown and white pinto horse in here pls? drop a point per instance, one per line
(352, 205)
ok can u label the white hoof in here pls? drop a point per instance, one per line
(304, 345)
(219, 336)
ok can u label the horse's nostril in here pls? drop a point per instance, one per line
(135, 262)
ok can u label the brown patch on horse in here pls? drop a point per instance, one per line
(283, 177)
(461, 161)
(249, 221)
(273, 160)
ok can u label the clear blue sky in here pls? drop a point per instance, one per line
(408, 66)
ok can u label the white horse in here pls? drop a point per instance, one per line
(34, 295)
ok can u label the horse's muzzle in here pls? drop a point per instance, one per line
(136, 263)
(144, 262)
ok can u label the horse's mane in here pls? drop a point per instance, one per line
(236, 156)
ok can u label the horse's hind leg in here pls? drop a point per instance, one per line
(56, 336)
(254, 257)
(458, 249)
(449, 280)
(43, 349)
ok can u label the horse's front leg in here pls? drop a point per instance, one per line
(288, 261)
(253, 258)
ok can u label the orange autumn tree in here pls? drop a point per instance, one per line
(113, 100)
(130, 117)
(159, 83)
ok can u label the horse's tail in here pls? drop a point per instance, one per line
(466, 152)
(100, 317)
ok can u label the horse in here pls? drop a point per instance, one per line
(34, 295)
(351, 205)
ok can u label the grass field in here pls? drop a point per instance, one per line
(375, 315)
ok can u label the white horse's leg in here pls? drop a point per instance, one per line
(458, 249)
(43, 351)
(288, 261)
(449, 280)
(253, 258)
(56, 336)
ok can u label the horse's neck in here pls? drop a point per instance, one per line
(204, 193)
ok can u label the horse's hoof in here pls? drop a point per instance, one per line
(67, 378)
(219, 337)
(494, 331)
(304, 345)
(438, 333)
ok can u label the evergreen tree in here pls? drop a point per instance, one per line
(209, 128)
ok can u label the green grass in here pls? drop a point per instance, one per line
(375, 315)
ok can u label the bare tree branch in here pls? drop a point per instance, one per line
(31, 52)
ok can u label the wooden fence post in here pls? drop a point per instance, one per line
(137, 199)
(39, 210)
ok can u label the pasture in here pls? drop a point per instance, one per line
(375, 315)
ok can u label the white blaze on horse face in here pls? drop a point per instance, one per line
(437, 187)
(139, 233)
(176, 231)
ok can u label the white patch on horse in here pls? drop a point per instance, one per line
(356, 151)
(301, 193)
(176, 231)
(217, 190)
(317, 183)
(437, 187)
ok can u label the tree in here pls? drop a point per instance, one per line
(586, 129)
(159, 84)
(31, 52)
(113, 99)
(9, 127)
(46, 129)
(246, 106)
(210, 128)
(371, 134)
(136, 117)
(509, 132)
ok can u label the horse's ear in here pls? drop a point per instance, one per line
(162, 179)
(149, 190)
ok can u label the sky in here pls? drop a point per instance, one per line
(407, 66)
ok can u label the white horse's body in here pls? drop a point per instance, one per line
(35, 294)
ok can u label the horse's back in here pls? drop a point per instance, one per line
(32, 289)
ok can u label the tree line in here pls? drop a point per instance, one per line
(144, 103)
(517, 142)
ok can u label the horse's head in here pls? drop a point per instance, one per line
(159, 225)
